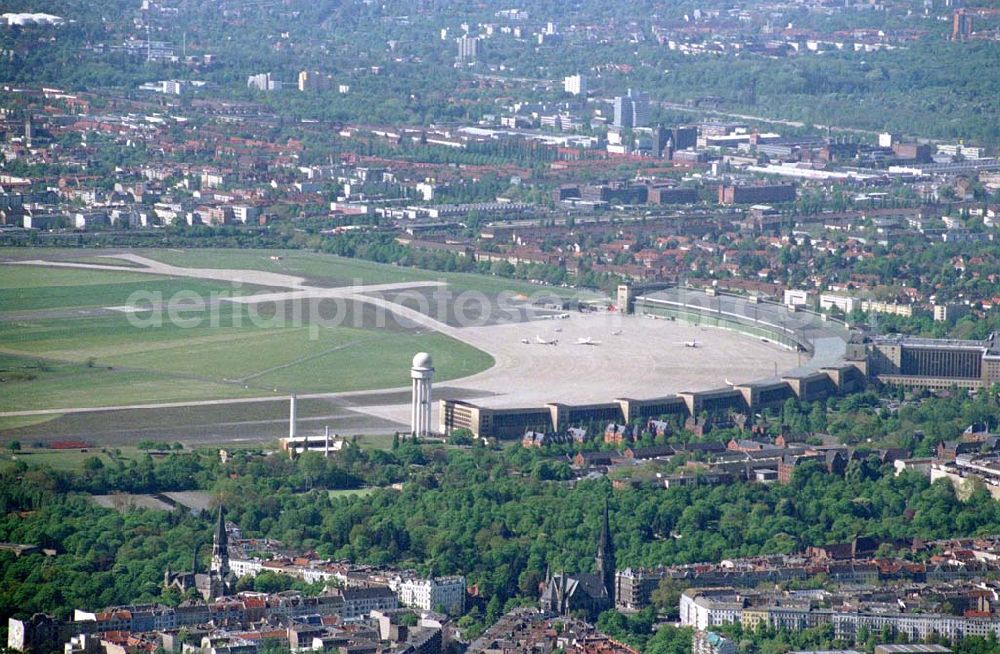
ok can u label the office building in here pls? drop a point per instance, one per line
(796, 297)
(685, 136)
(935, 363)
(763, 194)
(575, 85)
(623, 112)
(961, 25)
(890, 308)
(326, 444)
(632, 109)
(263, 82)
(845, 304)
(311, 80)
(640, 108)
(949, 312)
(468, 47)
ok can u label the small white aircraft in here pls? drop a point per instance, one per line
(525, 341)
(617, 332)
(693, 343)
(587, 340)
(542, 341)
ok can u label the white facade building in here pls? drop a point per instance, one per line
(263, 82)
(429, 594)
(701, 610)
(245, 213)
(575, 84)
(796, 297)
(843, 303)
(468, 47)
(707, 608)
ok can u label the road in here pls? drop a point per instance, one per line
(197, 403)
(761, 119)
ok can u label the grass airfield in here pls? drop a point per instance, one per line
(63, 343)
(79, 361)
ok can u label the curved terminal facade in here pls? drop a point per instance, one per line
(832, 363)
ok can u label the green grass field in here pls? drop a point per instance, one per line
(55, 384)
(21, 277)
(324, 269)
(333, 270)
(69, 360)
(69, 460)
(111, 294)
(104, 361)
(350, 492)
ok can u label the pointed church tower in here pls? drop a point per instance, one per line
(563, 601)
(220, 546)
(605, 565)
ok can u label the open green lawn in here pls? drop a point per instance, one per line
(325, 269)
(29, 288)
(56, 384)
(350, 492)
(56, 360)
(65, 459)
(332, 270)
(20, 277)
(104, 361)
(17, 422)
(113, 294)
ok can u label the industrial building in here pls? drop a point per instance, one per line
(733, 194)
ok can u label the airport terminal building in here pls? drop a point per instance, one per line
(834, 367)
(839, 362)
(935, 364)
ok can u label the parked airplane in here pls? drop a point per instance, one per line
(692, 343)
(587, 340)
(525, 341)
(542, 341)
(617, 332)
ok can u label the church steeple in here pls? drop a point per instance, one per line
(220, 546)
(605, 564)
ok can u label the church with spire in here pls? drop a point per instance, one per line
(219, 581)
(584, 593)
